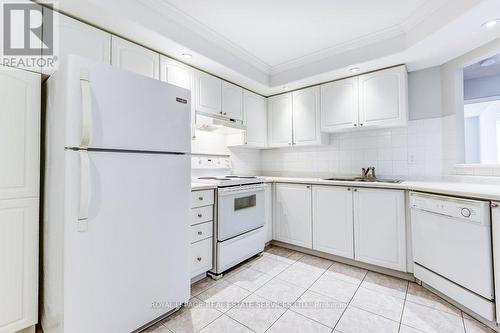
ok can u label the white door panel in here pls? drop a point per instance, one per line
(333, 220)
(19, 133)
(306, 117)
(135, 58)
(208, 93)
(339, 105)
(379, 227)
(135, 200)
(255, 110)
(292, 214)
(18, 264)
(128, 111)
(280, 120)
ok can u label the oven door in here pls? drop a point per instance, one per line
(240, 209)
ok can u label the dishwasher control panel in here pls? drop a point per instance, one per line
(471, 210)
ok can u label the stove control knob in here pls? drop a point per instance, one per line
(466, 212)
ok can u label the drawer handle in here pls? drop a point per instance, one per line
(199, 258)
(200, 198)
(200, 215)
(200, 232)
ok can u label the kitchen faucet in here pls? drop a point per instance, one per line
(367, 170)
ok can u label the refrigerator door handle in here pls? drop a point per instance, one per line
(86, 109)
(83, 214)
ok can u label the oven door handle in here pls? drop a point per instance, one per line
(226, 192)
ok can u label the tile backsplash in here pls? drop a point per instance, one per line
(412, 151)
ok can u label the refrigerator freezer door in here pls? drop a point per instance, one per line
(107, 108)
(131, 264)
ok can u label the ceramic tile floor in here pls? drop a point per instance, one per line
(287, 291)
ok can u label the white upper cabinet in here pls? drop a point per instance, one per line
(180, 75)
(339, 105)
(208, 93)
(19, 133)
(383, 97)
(255, 112)
(306, 117)
(292, 214)
(232, 101)
(333, 220)
(18, 264)
(279, 114)
(380, 228)
(135, 58)
(81, 39)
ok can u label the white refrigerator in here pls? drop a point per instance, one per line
(116, 199)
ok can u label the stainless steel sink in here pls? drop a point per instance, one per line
(365, 179)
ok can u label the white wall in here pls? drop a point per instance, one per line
(482, 87)
(472, 150)
(424, 98)
(488, 135)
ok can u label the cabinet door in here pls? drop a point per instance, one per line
(208, 93)
(18, 264)
(81, 39)
(19, 133)
(495, 231)
(333, 220)
(135, 58)
(339, 105)
(306, 117)
(379, 227)
(255, 113)
(280, 120)
(292, 214)
(383, 97)
(178, 74)
(232, 101)
(269, 213)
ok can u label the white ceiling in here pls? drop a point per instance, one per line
(278, 32)
(265, 45)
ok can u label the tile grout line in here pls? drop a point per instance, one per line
(306, 289)
(350, 300)
(403, 309)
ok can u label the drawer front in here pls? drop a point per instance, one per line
(201, 257)
(202, 214)
(201, 231)
(202, 198)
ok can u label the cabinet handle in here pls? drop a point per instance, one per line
(224, 113)
(308, 186)
(355, 125)
(361, 124)
(200, 198)
(200, 215)
(348, 188)
(355, 190)
(200, 232)
(494, 205)
(199, 258)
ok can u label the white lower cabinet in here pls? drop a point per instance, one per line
(18, 264)
(333, 220)
(380, 228)
(292, 214)
(201, 231)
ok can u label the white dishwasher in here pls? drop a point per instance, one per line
(452, 249)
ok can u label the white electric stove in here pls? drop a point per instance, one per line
(230, 180)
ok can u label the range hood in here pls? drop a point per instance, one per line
(210, 122)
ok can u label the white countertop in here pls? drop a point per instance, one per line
(202, 186)
(463, 189)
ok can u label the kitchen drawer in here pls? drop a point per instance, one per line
(201, 231)
(202, 214)
(201, 257)
(202, 198)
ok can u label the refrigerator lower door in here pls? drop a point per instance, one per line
(100, 106)
(127, 263)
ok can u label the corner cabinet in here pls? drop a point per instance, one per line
(19, 198)
(380, 228)
(135, 58)
(377, 99)
(279, 123)
(292, 214)
(383, 98)
(294, 119)
(255, 115)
